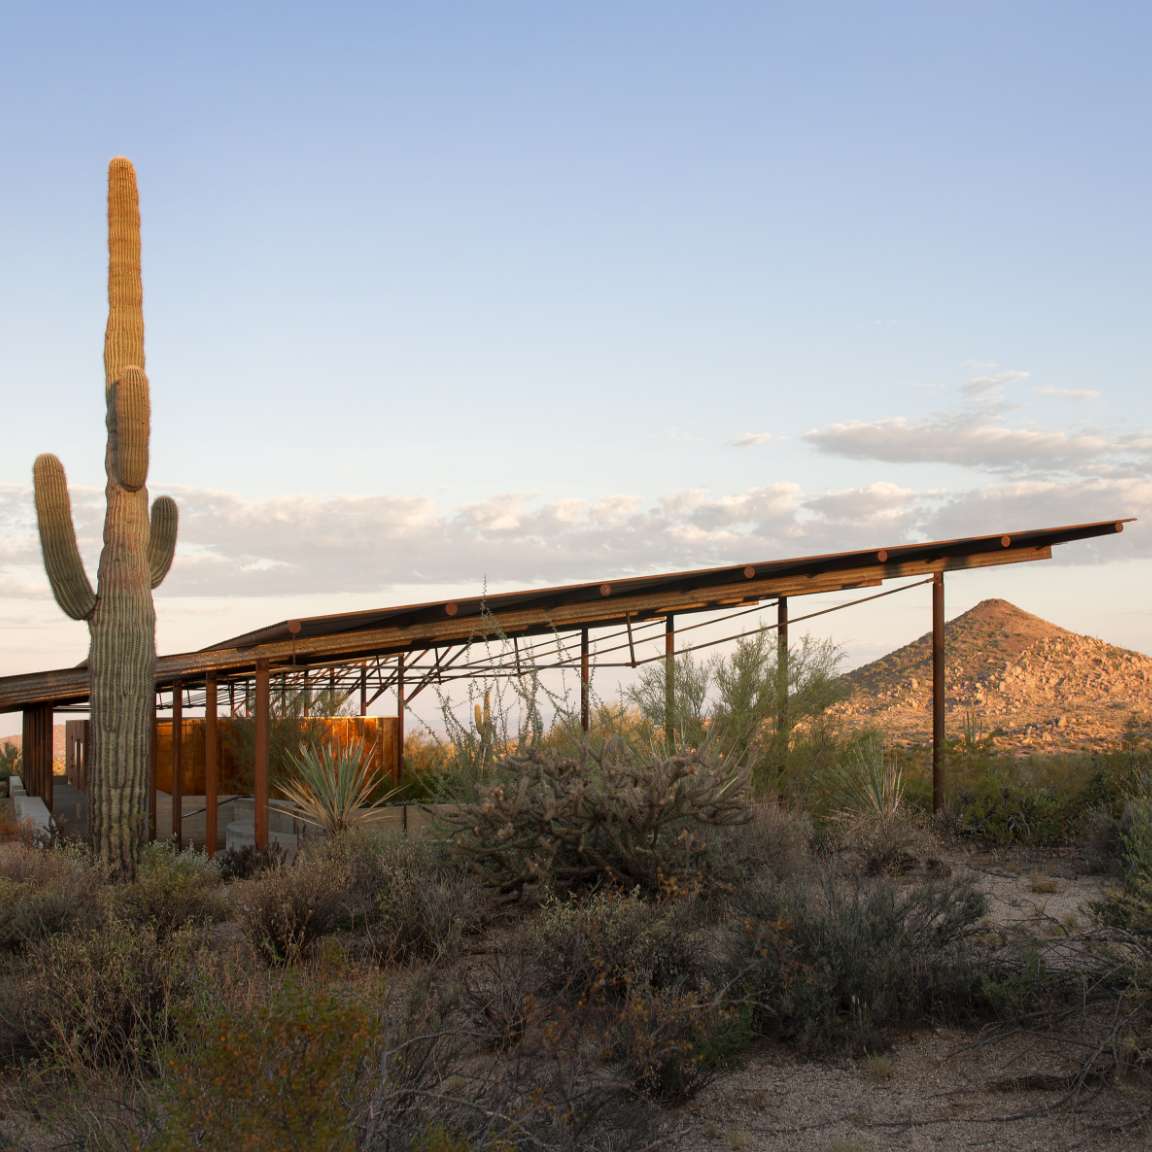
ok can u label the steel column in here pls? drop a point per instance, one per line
(585, 671)
(260, 768)
(670, 682)
(178, 763)
(211, 766)
(363, 691)
(398, 769)
(782, 669)
(937, 691)
(151, 776)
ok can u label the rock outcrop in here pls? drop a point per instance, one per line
(1010, 678)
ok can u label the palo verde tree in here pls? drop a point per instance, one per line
(137, 553)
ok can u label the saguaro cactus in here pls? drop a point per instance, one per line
(137, 553)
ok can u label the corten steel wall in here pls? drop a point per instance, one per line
(378, 732)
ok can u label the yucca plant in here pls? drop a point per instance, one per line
(869, 783)
(335, 786)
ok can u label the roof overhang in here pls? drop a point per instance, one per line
(353, 636)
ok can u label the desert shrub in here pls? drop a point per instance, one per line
(404, 899)
(1101, 839)
(840, 966)
(247, 861)
(44, 891)
(569, 825)
(286, 910)
(172, 888)
(609, 944)
(774, 842)
(673, 1043)
(276, 1073)
(443, 1084)
(106, 997)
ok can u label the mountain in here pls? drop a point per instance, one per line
(1025, 683)
(58, 742)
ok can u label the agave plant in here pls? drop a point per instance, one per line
(335, 786)
(870, 783)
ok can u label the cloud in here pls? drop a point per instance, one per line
(956, 438)
(877, 503)
(992, 383)
(1070, 393)
(752, 439)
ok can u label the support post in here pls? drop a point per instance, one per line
(937, 691)
(211, 765)
(363, 691)
(670, 683)
(151, 776)
(782, 669)
(585, 672)
(260, 769)
(783, 672)
(36, 752)
(398, 767)
(178, 764)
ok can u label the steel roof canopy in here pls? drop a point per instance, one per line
(344, 637)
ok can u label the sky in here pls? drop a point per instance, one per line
(445, 296)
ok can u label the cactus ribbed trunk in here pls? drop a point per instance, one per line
(138, 548)
(121, 668)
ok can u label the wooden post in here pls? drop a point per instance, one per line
(937, 691)
(585, 675)
(670, 683)
(178, 763)
(211, 765)
(398, 770)
(260, 768)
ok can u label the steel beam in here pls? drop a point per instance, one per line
(670, 683)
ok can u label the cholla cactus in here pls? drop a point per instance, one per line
(485, 728)
(137, 553)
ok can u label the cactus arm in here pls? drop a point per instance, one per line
(70, 584)
(162, 537)
(124, 333)
(131, 413)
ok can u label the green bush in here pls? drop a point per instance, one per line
(610, 944)
(284, 911)
(105, 998)
(570, 825)
(673, 1043)
(172, 888)
(44, 891)
(275, 1074)
(840, 966)
(404, 899)
(247, 861)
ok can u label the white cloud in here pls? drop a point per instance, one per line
(956, 438)
(753, 439)
(1069, 393)
(992, 383)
